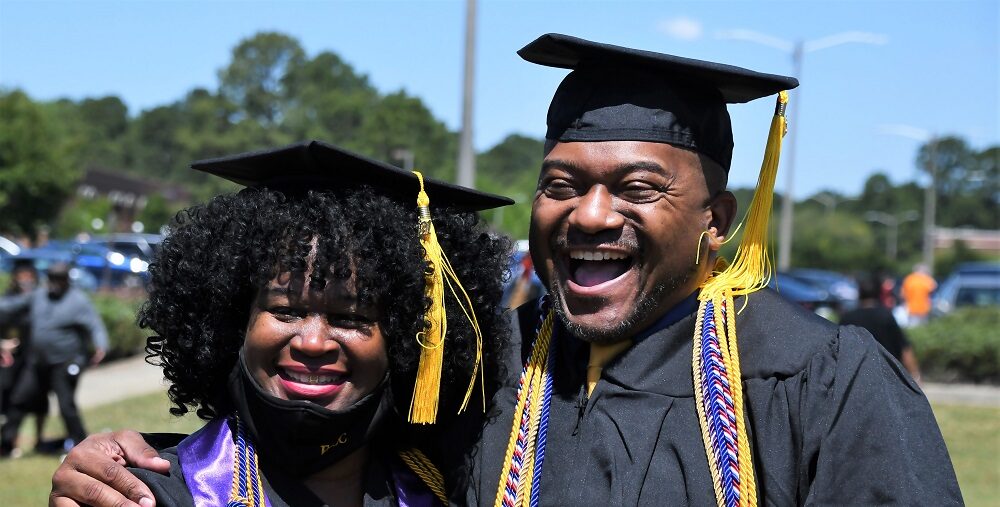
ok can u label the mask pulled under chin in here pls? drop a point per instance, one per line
(300, 437)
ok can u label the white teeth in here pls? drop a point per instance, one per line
(310, 378)
(588, 255)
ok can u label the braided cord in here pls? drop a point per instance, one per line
(518, 484)
(749, 485)
(719, 407)
(543, 427)
(719, 403)
(418, 462)
(247, 489)
(699, 396)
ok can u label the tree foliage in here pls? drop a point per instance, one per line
(511, 168)
(271, 92)
(256, 79)
(35, 178)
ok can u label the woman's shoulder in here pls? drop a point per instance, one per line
(169, 489)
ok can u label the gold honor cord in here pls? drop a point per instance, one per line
(749, 272)
(439, 273)
(423, 468)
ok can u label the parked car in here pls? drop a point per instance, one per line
(8, 248)
(42, 258)
(95, 264)
(808, 296)
(842, 288)
(972, 284)
(132, 246)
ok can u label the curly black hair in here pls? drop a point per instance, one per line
(219, 254)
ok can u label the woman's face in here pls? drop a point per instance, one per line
(321, 346)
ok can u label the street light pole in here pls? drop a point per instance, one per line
(892, 224)
(797, 50)
(788, 200)
(930, 207)
(930, 192)
(466, 154)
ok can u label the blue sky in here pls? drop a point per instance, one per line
(935, 69)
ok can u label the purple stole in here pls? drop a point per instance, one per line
(206, 460)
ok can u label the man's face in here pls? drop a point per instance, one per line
(615, 229)
(58, 284)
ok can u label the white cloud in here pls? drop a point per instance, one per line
(681, 28)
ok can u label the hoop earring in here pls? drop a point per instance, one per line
(697, 257)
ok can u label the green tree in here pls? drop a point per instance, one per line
(511, 168)
(967, 186)
(399, 121)
(154, 148)
(158, 213)
(79, 217)
(836, 241)
(328, 100)
(35, 174)
(256, 78)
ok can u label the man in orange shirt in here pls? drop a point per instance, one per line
(916, 291)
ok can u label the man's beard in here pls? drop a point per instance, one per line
(626, 327)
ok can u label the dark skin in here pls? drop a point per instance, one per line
(651, 203)
(645, 208)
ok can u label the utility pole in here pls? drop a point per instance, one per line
(930, 206)
(788, 199)
(892, 225)
(796, 50)
(466, 153)
(930, 192)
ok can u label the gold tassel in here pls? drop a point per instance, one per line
(427, 388)
(751, 269)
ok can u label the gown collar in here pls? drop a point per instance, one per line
(659, 362)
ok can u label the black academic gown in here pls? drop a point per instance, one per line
(833, 420)
(171, 491)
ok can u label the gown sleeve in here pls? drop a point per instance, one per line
(872, 438)
(169, 490)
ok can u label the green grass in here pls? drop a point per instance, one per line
(973, 438)
(26, 481)
(972, 434)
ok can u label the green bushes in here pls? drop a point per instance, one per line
(961, 347)
(124, 337)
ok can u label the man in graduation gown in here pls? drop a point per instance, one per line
(634, 388)
(630, 211)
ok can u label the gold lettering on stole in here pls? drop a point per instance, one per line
(342, 439)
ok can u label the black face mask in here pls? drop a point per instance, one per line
(299, 437)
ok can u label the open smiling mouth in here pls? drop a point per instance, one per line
(311, 378)
(588, 268)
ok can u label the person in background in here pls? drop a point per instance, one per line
(67, 334)
(916, 292)
(879, 321)
(15, 343)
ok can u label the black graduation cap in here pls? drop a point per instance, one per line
(318, 165)
(622, 94)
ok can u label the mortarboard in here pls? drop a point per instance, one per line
(318, 165)
(622, 94)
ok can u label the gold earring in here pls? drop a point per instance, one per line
(697, 257)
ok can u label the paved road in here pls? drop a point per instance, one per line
(132, 377)
(118, 380)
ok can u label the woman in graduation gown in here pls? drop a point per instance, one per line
(293, 316)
